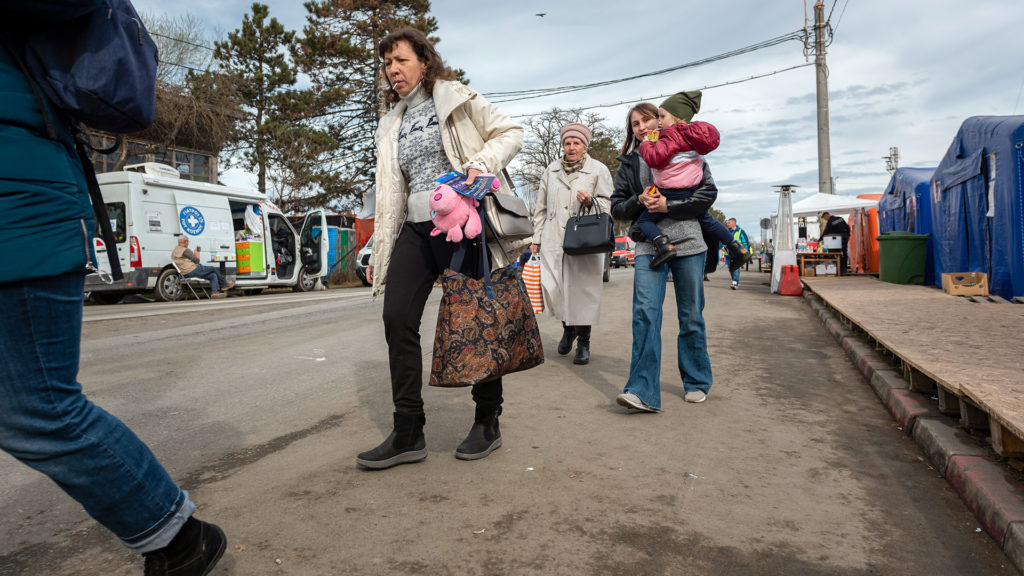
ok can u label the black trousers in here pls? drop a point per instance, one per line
(416, 262)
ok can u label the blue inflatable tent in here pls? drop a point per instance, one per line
(905, 206)
(977, 199)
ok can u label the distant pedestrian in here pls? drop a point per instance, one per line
(46, 422)
(643, 388)
(834, 225)
(571, 284)
(437, 125)
(739, 237)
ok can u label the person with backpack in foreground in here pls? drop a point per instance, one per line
(46, 226)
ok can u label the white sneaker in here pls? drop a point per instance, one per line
(630, 400)
(735, 285)
(696, 397)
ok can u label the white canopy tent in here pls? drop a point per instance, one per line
(817, 203)
(832, 203)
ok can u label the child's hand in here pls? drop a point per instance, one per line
(652, 136)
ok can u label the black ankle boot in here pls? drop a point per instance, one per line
(738, 256)
(406, 444)
(582, 345)
(568, 335)
(665, 250)
(194, 551)
(484, 437)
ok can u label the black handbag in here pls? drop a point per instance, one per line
(589, 233)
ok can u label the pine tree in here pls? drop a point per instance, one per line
(256, 57)
(338, 51)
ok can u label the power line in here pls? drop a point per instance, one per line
(211, 49)
(542, 92)
(756, 77)
(179, 65)
(841, 12)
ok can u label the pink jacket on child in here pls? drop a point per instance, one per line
(676, 159)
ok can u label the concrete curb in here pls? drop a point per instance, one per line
(906, 407)
(981, 483)
(1013, 543)
(941, 442)
(883, 381)
(983, 486)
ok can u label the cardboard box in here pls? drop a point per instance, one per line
(965, 283)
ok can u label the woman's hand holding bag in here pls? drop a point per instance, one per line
(589, 233)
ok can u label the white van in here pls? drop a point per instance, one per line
(238, 230)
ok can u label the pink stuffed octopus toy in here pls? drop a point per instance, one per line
(451, 212)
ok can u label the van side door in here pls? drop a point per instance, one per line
(313, 244)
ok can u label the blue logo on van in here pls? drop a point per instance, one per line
(192, 221)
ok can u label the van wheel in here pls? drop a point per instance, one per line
(168, 286)
(106, 297)
(306, 282)
(252, 291)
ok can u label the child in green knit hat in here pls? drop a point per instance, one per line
(675, 155)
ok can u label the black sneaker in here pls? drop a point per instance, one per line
(193, 552)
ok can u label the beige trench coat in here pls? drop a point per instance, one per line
(488, 140)
(571, 284)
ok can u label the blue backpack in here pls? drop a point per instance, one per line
(99, 68)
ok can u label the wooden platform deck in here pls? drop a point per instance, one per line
(970, 353)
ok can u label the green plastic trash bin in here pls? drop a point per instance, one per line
(901, 257)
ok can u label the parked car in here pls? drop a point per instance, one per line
(625, 252)
(363, 260)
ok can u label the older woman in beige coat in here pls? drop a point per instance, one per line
(571, 284)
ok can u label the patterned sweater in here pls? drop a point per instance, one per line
(421, 152)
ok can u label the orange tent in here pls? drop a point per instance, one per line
(863, 234)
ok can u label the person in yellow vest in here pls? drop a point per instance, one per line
(740, 236)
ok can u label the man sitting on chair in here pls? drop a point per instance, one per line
(189, 265)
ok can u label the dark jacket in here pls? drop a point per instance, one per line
(46, 220)
(836, 225)
(626, 206)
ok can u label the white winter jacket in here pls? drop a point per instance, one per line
(487, 138)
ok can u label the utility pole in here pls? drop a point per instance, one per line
(821, 68)
(892, 161)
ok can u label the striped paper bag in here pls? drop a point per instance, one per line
(531, 278)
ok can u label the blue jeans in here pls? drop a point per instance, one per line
(736, 275)
(48, 423)
(210, 274)
(692, 347)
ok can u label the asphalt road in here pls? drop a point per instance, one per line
(259, 405)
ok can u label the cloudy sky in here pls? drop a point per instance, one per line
(902, 74)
